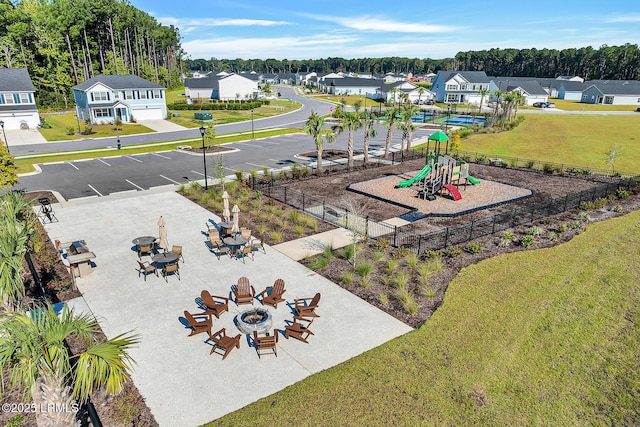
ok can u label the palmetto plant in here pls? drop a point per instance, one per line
(349, 122)
(314, 127)
(33, 351)
(406, 126)
(392, 120)
(368, 120)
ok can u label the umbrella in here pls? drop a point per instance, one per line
(438, 137)
(226, 214)
(162, 232)
(236, 220)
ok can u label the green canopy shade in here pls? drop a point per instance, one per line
(438, 136)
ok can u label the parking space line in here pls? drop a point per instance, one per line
(198, 173)
(160, 155)
(253, 164)
(100, 160)
(129, 157)
(73, 166)
(97, 192)
(169, 179)
(135, 185)
(250, 145)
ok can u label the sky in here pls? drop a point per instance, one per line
(249, 29)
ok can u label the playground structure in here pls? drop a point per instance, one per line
(439, 174)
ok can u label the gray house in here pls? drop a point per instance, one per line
(612, 92)
(17, 99)
(530, 89)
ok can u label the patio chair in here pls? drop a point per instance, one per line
(214, 304)
(177, 250)
(258, 244)
(146, 268)
(243, 291)
(198, 326)
(145, 250)
(246, 233)
(246, 251)
(168, 269)
(266, 343)
(223, 344)
(298, 329)
(219, 249)
(273, 294)
(306, 307)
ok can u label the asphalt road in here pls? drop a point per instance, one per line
(108, 175)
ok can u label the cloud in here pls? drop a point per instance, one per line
(632, 17)
(378, 23)
(213, 22)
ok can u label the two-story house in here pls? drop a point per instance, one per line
(17, 99)
(457, 87)
(104, 98)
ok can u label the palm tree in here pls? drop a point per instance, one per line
(314, 126)
(349, 121)
(33, 350)
(368, 120)
(392, 119)
(17, 237)
(421, 91)
(483, 93)
(394, 91)
(406, 126)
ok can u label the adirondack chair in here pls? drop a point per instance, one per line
(306, 307)
(244, 292)
(273, 294)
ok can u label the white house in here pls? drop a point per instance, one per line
(18, 108)
(612, 92)
(392, 92)
(571, 90)
(349, 86)
(231, 87)
(104, 98)
(452, 87)
(530, 89)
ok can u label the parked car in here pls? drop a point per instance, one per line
(429, 102)
(638, 110)
(539, 104)
(550, 105)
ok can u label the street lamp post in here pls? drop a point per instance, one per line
(4, 135)
(78, 119)
(204, 158)
(446, 124)
(252, 123)
(118, 143)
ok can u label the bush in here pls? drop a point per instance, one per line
(71, 131)
(383, 298)
(527, 241)
(584, 216)
(319, 263)
(574, 224)
(392, 264)
(453, 251)
(587, 206)
(530, 164)
(402, 280)
(534, 230)
(88, 130)
(548, 168)
(508, 235)
(562, 228)
(347, 277)
(554, 236)
(617, 208)
(364, 268)
(600, 202)
(430, 254)
(621, 193)
(474, 248)
(347, 252)
(504, 243)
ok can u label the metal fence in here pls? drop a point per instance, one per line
(450, 236)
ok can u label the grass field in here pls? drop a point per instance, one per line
(543, 337)
(570, 139)
(61, 123)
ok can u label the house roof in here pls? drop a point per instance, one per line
(121, 81)
(15, 79)
(470, 76)
(18, 107)
(352, 81)
(574, 86)
(616, 87)
(531, 87)
(203, 83)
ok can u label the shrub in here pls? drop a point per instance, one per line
(527, 241)
(387, 280)
(329, 250)
(408, 301)
(583, 216)
(294, 215)
(424, 270)
(392, 264)
(554, 236)
(310, 222)
(276, 237)
(402, 280)
(453, 251)
(617, 208)
(508, 235)
(530, 164)
(562, 228)
(587, 206)
(71, 131)
(88, 130)
(621, 193)
(430, 254)
(383, 298)
(548, 168)
(474, 248)
(435, 264)
(504, 243)
(364, 282)
(534, 230)
(412, 260)
(347, 252)
(600, 202)
(347, 277)
(574, 224)
(298, 230)
(364, 268)
(382, 244)
(318, 263)
(427, 291)
(402, 252)
(377, 256)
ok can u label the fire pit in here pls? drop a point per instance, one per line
(255, 319)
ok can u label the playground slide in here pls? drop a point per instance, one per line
(474, 181)
(425, 170)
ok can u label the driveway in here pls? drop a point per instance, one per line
(161, 125)
(19, 137)
(182, 383)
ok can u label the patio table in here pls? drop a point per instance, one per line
(165, 258)
(234, 242)
(144, 240)
(225, 228)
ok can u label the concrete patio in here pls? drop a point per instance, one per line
(182, 383)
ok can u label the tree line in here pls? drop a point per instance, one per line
(606, 63)
(64, 42)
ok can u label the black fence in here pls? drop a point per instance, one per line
(341, 216)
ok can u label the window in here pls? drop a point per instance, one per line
(128, 94)
(116, 95)
(157, 94)
(101, 112)
(452, 87)
(8, 99)
(24, 98)
(1, 99)
(100, 96)
(143, 94)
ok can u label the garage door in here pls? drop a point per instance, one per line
(148, 114)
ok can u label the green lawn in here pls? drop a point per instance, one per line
(541, 337)
(570, 139)
(561, 104)
(62, 123)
